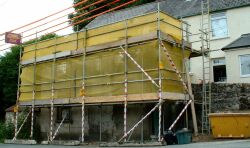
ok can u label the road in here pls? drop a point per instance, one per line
(218, 144)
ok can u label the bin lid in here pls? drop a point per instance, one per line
(184, 130)
(228, 114)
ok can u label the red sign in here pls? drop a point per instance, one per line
(13, 38)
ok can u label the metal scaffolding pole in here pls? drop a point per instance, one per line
(139, 122)
(206, 65)
(83, 92)
(160, 66)
(181, 113)
(52, 93)
(192, 104)
(100, 120)
(183, 68)
(183, 83)
(142, 125)
(33, 92)
(126, 81)
(151, 79)
(57, 130)
(24, 121)
(139, 66)
(16, 109)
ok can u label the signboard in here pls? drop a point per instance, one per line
(13, 38)
(15, 109)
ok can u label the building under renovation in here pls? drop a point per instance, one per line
(120, 81)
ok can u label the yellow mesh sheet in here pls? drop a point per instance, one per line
(137, 26)
(104, 74)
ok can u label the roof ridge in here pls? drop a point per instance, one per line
(125, 9)
(241, 41)
(231, 42)
(176, 8)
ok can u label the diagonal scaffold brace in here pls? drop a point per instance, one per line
(139, 66)
(161, 102)
(139, 122)
(187, 89)
(153, 82)
(24, 121)
(57, 130)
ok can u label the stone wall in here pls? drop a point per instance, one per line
(226, 97)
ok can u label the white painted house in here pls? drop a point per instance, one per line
(237, 55)
(229, 20)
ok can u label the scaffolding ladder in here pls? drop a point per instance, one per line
(206, 65)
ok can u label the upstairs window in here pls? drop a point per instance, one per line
(219, 25)
(245, 65)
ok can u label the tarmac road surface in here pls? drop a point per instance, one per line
(217, 144)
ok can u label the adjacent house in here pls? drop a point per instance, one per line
(237, 55)
(229, 19)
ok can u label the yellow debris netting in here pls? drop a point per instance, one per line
(104, 74)
(104, 71)
(133, 27)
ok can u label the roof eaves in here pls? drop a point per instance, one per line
(230, 48)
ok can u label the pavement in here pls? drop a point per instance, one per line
(217, 144)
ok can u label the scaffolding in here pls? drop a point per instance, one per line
(202, 38)
(206, 65)
(164, 70)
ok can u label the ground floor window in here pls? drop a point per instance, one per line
(219, 70)
(64, 112)
(245, 65)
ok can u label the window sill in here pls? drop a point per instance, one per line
(219, 38)
(245, 76)
(221, 81)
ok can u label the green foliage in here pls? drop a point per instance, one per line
(25, 131)
(81, 25)
(7, 129)
(8, 78)
(2, 132)
(9, 74)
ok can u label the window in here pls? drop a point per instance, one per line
(62, 112)
(219, 70)
(219, 25)
(245, 65)
(220, 61)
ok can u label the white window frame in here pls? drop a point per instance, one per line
(219, 64)
(214, 17)
(241, 75)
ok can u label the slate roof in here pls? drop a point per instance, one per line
(175, 8)
(242, 41)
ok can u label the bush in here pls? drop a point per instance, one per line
(7, 129)
(2, 131)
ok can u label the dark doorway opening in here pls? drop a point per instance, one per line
(220, 74)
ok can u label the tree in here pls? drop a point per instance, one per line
(9, 65)
(83, 24)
